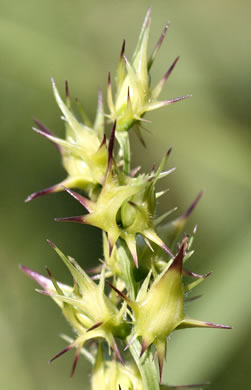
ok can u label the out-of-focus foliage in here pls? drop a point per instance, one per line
(210, 135)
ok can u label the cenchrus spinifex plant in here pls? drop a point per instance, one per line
(134, 299)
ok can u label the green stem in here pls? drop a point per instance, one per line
(145, 365)
(126, 269)
(124, 143)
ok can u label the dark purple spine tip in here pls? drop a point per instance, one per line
(109, 79)
(42, 127)
(51, 244)
(117, 291)
(144, 347)
(78, 219)
(122, 49)
(67, 94)
(75, 362)
(111, 145)
(44, 282)
(103, 142)
(61, 353)
(45, 132)
(95, 326)
(169, 152)
(81, 199)
(167, 74)
(193, 205)
(48, 271)
(132, 203)
(35, 195)
(178, 261)
(174, 63)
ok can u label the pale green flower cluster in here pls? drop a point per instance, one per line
(143, 257)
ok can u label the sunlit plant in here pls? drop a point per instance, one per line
(134, 299)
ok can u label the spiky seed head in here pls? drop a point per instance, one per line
(134, 96)
(112, 375)
(158, 310)
(85, 306)
(83, 151)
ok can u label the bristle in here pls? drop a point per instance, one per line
(118, 292)
(160, 362)
(103, 142)
(75, 361)
(117, 351)
(195, 275)
(130, 342)
(109, 79)
(156, 105)
(45, 191)
(122, 50)
(144, 347)
(157, 47)
(67, 94)
(183, 387)
(167, 250)
(188, 300)
(134, 171)
(167, 74)
(95, 326)
(44, 130)
(44, 282)
(68, 348)
(111, 147)
(178, 261)
(109, 95)
(81, 199)
(177, 99)
(169, 152)
(51, 244)
(192, 206)
(78, 219)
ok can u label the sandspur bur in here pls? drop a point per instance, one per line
(144, 257)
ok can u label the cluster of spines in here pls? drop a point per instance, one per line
(122, 203)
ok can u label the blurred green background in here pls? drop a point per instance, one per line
(210, 135)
